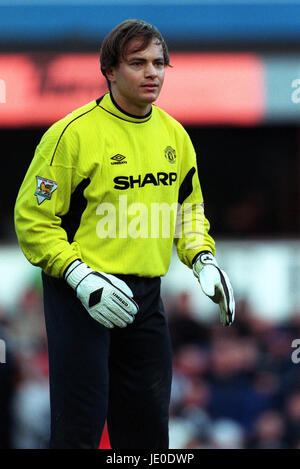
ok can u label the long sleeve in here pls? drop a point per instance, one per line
(192, 227)
(44, 197)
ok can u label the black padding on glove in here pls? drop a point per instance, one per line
(95, 297)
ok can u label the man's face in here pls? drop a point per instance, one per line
(137, 80)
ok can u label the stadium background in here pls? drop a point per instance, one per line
(235, 87)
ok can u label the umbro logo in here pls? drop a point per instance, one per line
(118, 159)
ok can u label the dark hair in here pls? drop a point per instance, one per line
(115, 44)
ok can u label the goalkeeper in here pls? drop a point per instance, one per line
(84, 215)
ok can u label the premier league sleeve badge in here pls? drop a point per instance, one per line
(45, 189)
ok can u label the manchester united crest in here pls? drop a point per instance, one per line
(170, 154)
(45, 189)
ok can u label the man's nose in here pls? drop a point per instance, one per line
(150, 70)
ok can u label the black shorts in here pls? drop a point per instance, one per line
(98, 374)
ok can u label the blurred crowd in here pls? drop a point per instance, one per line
(235, 387)
(24, 377)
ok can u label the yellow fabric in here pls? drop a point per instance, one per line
(151, 158)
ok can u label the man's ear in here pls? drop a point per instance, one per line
(110, 74)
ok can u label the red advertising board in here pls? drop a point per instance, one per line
(201, 88)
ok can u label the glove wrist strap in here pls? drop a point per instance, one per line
(76, 273)
(204, 258)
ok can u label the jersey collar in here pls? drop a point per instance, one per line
(108, 104)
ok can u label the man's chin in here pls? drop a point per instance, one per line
(149, 97)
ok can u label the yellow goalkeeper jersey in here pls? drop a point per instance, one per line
(114, 190)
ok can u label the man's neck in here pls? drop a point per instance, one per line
(128, 107)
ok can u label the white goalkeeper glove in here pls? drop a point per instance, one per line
(216, 285)
(106, 298)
